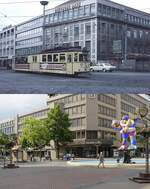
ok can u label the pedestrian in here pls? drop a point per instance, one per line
(31, 157)
(101, 160)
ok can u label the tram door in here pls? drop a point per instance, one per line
(70, 63)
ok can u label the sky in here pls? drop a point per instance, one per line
(11, 105)
(16, 13)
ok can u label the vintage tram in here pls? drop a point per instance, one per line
(71, 61)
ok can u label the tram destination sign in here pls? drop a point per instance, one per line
(68, 6)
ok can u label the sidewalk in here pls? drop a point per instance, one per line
(44, 164)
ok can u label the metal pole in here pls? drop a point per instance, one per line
(44, 19)
(147, 152)
(125, 45)
(147, 156)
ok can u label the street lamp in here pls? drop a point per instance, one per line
(44, 4)
(144, 177)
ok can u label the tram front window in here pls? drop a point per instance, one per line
(75, 57)
(81, 58)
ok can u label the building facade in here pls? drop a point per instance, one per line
(109, 31)
(9, 127)
(29, 38)
(91, 117)
(7, 47)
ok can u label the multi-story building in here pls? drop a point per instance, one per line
(7, 47)
(9, 126)
(91, 116)
(39, 114)
(110, 31)
(29, 37)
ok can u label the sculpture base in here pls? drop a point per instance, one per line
(10, 166)
(143, 178)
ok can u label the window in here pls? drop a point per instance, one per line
(51, 18)
(129, 34)
(106, 111)
(83, 134)
(70, 58)
(87, 10)
(49, 58)
(81, 11)
(107, 99)
(60, 16)
(34, 59)
(141, 34)
(75, 57)
(43, 58)
(92, 9)
(70, 14)
(88, 29)
(56, 17)
(62, 58)
(103, 26)
(65, 15)
(91, 134)
(76, 31)
(135, 34)
(76, 13)
(81, 58)
(76, 44)
(55, 57)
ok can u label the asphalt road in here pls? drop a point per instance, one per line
(69, 178)
(116, 82)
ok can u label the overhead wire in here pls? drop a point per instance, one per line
(19, 2)
(5, 16)
(23, 2)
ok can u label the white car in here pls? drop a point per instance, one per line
(105, 67)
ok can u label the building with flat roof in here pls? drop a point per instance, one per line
(91, 117)
(9, 126)
(110, 31)
(39, 114)
(7, 47)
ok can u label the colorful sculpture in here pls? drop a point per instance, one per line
(127, 128)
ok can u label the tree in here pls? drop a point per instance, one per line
(3, 139)
(58, 124)
(7, 142)
(35, 134)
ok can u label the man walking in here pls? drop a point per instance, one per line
(101, 160)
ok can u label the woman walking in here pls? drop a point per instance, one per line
(101, 160)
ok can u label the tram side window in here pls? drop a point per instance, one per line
(55, 57)
(49, 58)
(62, 58)
(43, 58)
(70, 58)
(75, 57)
(34, 59)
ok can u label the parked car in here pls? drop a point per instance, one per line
(105, 67)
